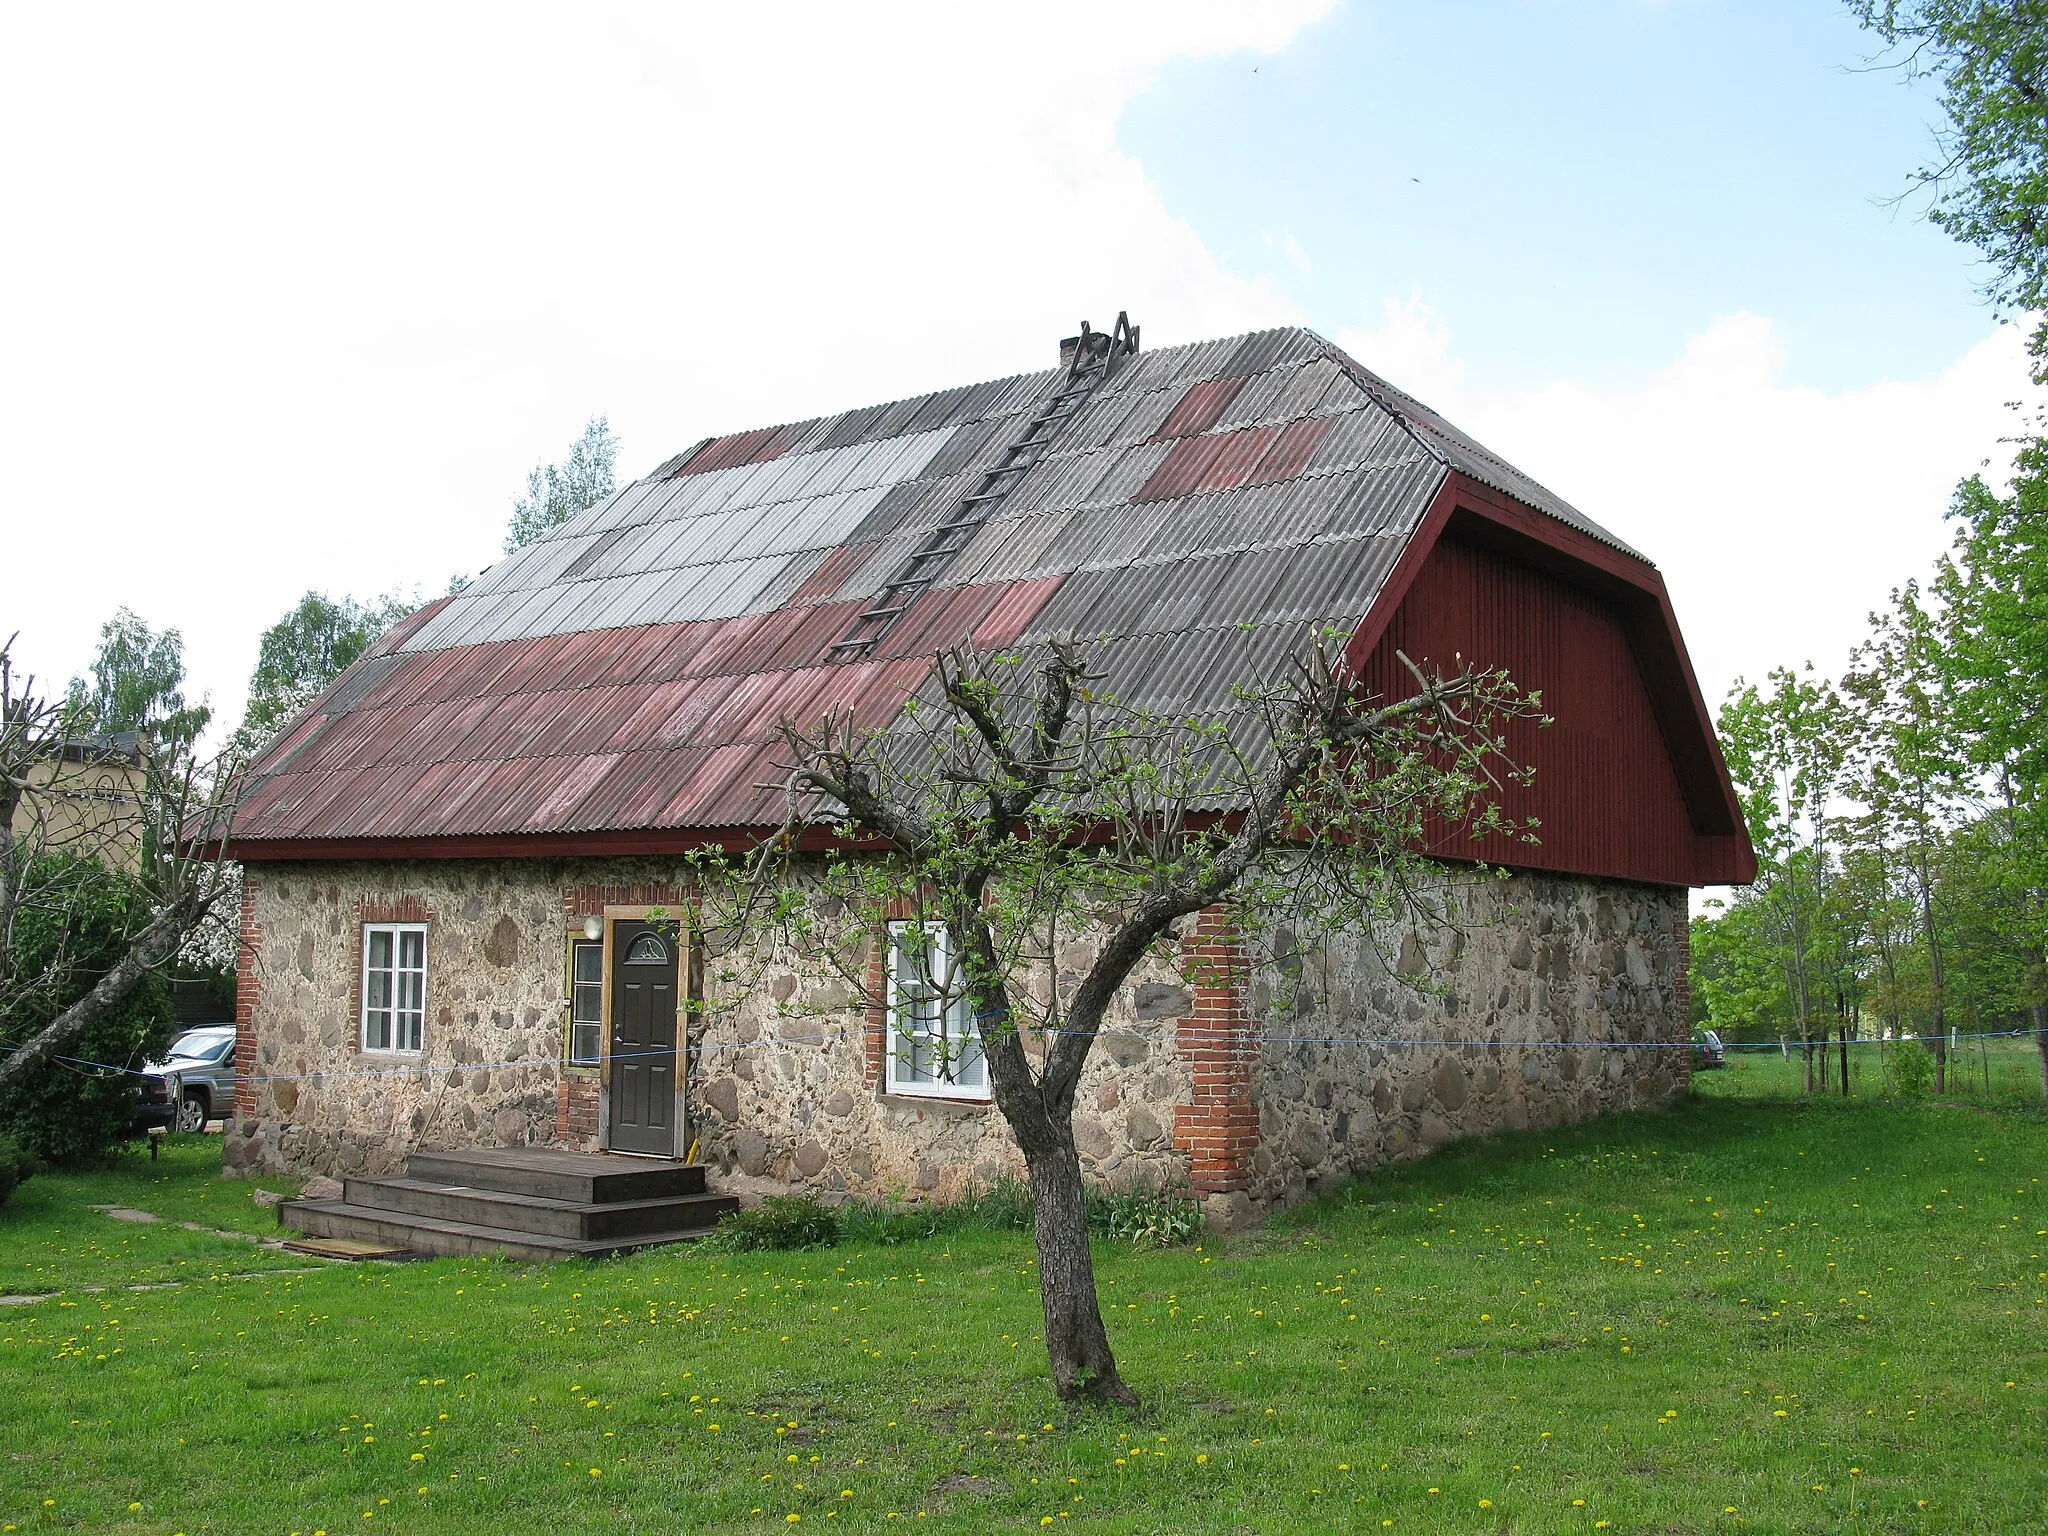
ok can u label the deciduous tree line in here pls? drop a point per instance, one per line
(1900, 813)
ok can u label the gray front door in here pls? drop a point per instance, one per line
(643, 1046)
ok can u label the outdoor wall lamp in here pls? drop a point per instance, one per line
(593, 927)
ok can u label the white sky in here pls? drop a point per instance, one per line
(293, 299)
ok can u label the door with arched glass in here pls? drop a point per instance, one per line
(643, 1057)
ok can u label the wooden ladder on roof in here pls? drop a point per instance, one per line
(1093, 359)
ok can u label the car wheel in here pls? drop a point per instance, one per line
(192, 1113)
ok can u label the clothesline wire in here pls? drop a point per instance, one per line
(1191, 1034)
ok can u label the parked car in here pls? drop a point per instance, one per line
(1707, 1051)
(201, 1062)
(156, 1101)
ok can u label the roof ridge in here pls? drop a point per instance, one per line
(1373, 387)
(676, 461)
(1427, 421)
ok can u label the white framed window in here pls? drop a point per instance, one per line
(586, 1002)
(394, 986)
(934, 1047)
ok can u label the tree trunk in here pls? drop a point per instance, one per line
(150, 948)
(2041, 1042)
(1076, 1343)
(1040, 1111)
(1936, 974)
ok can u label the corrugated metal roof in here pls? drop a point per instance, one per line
(1206, 510)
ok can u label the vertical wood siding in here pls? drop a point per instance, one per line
(1605, 791)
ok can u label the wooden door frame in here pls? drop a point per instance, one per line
(685, 944)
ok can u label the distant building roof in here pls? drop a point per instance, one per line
(1200, 510)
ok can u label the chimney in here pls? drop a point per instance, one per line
(1124, 339)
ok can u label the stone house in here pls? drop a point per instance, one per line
(466, 862)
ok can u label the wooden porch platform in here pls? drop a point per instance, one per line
(521, 1203)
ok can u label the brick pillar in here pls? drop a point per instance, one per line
(576, 1111)
(1220, 1130)
(248, 993)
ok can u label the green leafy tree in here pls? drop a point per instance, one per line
(76, 924)
(305, 651)
(1786, 752)
(138, 684)
(1994, 588)
(557, 492)
(1989, 174)
(1738, 981)
(1909, 771)
(109, 863)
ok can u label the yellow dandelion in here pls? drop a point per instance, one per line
(1486, 1503)
(1203, 1459)
(597, 1471)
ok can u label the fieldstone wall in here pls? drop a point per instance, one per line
(791, 1088)
(1277, 1064)
(1545, 1000)
(487, 1075)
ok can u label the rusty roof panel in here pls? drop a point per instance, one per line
(1014, 610)
(1182, 469)
(1292, 450)
(1257, 403)
(1203, 513)
(1198, 409)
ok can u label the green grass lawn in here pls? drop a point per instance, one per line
(52, 1239)
(1749, 1314)
(1990, 1072)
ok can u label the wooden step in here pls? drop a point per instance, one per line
(583, 1220)
(428, 1235)
(584, 1178)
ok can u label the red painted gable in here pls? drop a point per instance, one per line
(1627, 784)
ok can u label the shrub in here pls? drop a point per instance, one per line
(68, 1113)
(1139, 1216)
(15, 1166)
(1005, 1206)
(1909, 1069)
(1146, 1218)
(783, 1221)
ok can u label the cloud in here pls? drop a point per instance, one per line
(302, 298)
(1780, 515)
